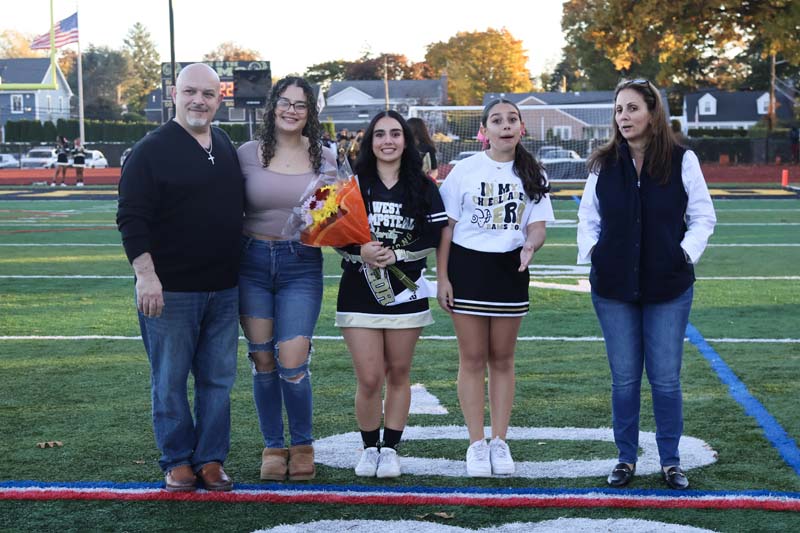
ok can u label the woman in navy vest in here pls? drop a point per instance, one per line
(644, 220)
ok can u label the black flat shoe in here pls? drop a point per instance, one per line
(621, 475)
(675, 478)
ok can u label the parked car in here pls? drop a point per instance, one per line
(124, 156)
(445, 168)
(543, 151)
(563, 164)
(463, 155)
(39, 158)
(95, 159)
(8, 161)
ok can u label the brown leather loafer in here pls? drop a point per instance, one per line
(180, 479)
(214, 477)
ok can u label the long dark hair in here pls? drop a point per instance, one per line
(415, 183)
(421, 135)
(529, 170)
(312, 130)
(658, 154)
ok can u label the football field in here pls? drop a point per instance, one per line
(79, 453)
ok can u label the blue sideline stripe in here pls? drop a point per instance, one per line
(776, 435)
(389, 489)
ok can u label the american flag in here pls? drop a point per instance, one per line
(66, 32)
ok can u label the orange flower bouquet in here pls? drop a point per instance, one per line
(333, 214)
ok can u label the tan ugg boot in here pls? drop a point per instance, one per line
(301, 463)
(274, 463)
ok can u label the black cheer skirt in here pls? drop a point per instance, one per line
(487, 283)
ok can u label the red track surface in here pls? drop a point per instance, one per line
(714, 173)
(91, 176)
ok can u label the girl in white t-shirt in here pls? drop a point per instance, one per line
(497, 205)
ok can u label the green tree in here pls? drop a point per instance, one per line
(104, 71)
(685, 43)
(230, 51)
(326, 72)
(480, 62)
(145, 67)
(398, 67)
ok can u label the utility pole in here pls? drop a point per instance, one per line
(386, 80)
(771, 109)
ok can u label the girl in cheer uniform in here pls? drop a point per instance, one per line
(380, 318)
(497, 204)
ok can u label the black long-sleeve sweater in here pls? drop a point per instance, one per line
(182, 209)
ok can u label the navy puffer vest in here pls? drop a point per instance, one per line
(638, 256)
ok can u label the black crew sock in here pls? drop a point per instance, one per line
(391, 437)
(370, 438)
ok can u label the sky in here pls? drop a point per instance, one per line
(296, 35)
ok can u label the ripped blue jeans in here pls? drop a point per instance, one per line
(282, 281)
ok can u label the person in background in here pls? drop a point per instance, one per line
(78, 161)
(425, 147)
(380, 327)
(281, 278)
(180, 214)
(497, 203)
(644, 221)
(62, 161)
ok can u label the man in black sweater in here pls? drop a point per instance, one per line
(180, 214)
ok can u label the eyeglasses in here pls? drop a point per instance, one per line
(284, 104)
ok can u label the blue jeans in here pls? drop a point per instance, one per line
(197, 332)
(649, 336)
(282, 281)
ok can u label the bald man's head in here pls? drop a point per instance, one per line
(196, 96)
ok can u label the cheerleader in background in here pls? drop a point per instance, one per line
(79, 162)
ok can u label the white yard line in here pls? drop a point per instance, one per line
(723, 340)
(548, 245)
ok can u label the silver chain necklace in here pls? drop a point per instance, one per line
(208, 150)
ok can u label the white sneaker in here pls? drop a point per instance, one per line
(53, 184)
(500, 457)
(478, 463)
(79, 184)
(368, 463)
(388, 464)
(63, 184)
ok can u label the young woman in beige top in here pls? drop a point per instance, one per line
(280, 283)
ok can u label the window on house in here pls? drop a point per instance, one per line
(49, 104)
(16, 103)
(61, 104)
(236, 114)
(259, 115)
(763, 105)
(707, 105)
(563, 132)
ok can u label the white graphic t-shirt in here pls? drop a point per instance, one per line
(489, 204)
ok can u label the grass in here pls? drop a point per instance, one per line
(93, 394)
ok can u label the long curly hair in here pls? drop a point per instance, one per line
(416, 204)
(658, 154)
(529, 170)
(312, 130)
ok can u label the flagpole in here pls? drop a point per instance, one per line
(80, 85)
(53, 45)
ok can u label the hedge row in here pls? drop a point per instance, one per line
(33, 131)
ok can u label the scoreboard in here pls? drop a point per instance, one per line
(228, 111)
